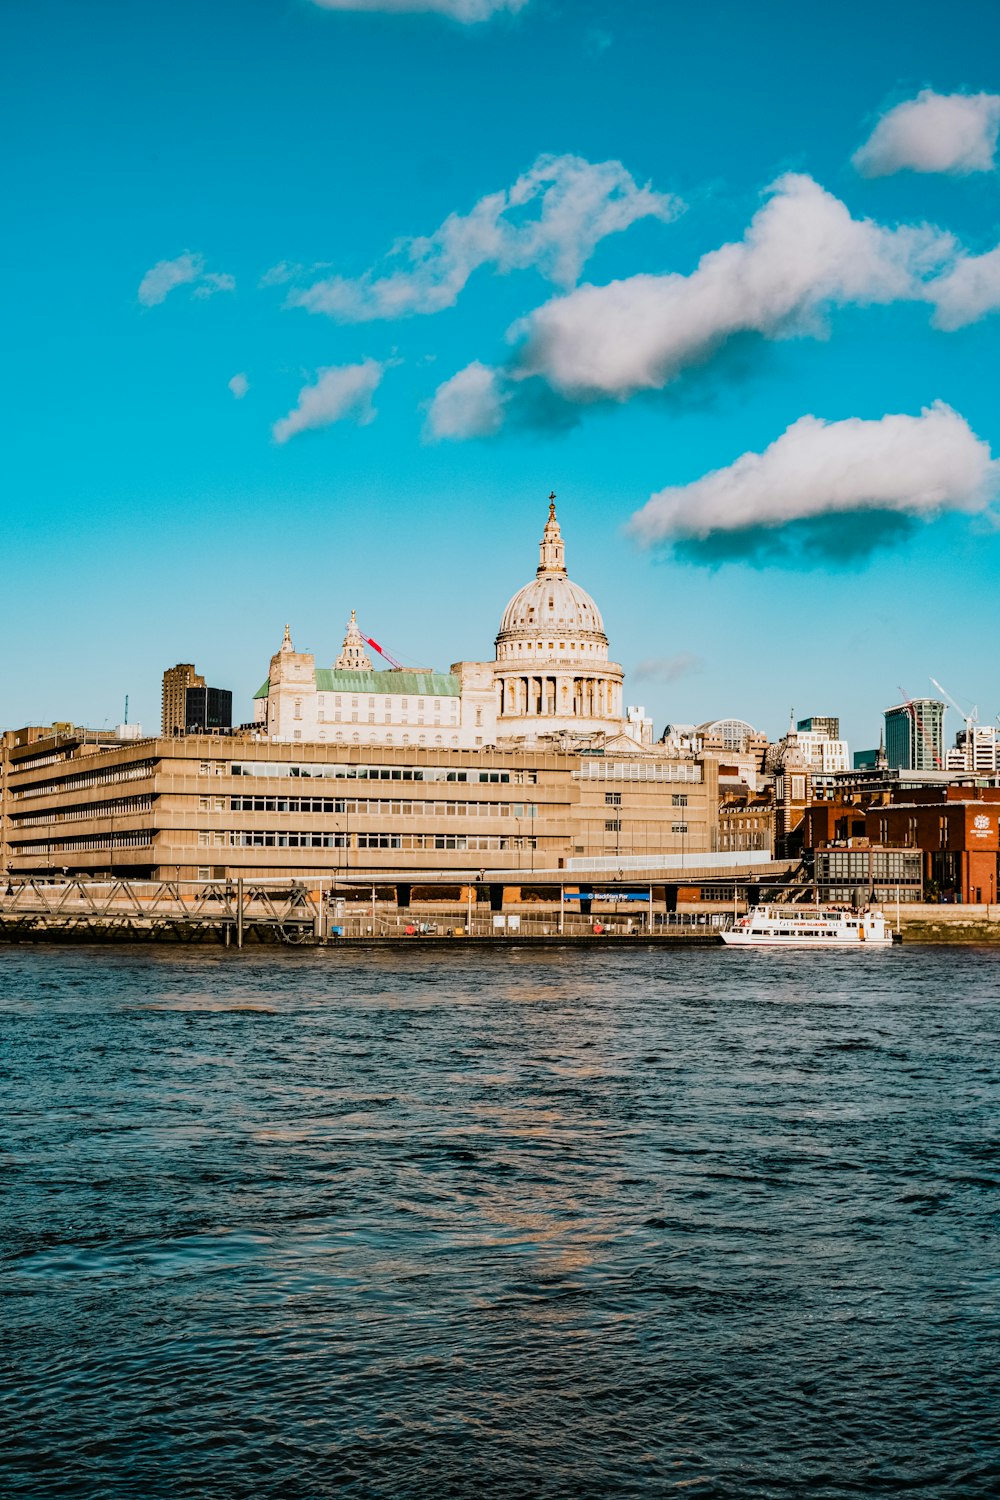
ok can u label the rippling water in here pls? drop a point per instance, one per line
(499, 1224)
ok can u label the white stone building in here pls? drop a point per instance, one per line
(551, 679)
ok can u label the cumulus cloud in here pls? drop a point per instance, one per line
(954, 133)
(820, 475)
(668, 668)
(239, 385)
(802, 254)
(184, 270)
(338, 392)
(468, 405)
(968, 291)
(552, 218)
(467, 11)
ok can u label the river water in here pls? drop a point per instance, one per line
(513, 1224)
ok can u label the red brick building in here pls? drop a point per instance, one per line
(957, 829)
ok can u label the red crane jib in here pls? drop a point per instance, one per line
(370, 641)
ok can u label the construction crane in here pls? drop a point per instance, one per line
(398, 665)
(969, 719)
(917, 721)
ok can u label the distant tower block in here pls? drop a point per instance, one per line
(176, 681)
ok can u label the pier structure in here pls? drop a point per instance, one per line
(585, 906)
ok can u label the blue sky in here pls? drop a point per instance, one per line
(151, 515)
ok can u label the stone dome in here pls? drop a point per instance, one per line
(551, 605)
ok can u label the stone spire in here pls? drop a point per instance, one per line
(354, 657)
(286, 640)
(552, 550)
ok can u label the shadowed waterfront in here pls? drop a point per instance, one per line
(525, 1224)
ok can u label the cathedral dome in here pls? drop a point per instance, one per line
(551, 605)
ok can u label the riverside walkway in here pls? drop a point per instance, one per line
(237, 912)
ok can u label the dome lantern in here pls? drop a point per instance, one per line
(552, 548)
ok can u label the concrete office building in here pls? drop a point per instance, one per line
(214, 807)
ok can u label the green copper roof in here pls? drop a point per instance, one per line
(401, 684)
(406, 684)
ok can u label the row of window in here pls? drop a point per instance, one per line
(371, 718)
(437, 705)
(854, 865)
(137, 771)
(141, 839)
(371, 807)
(340, 772)
(122, 807)
(373, 737)
(540, 646)
(281, 839)
(638, 770)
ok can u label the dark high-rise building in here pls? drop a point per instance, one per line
(914, 735)
(208, 708)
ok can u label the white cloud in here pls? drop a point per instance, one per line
(239, 385)
(468, 11)
(214, 281)
(802, 253)
(339, 392)
(954, 133)
(184, 270)
(468, 405)
(668, 668)
(278, 275)
(914, 466)
(967, 292)
(576, 204)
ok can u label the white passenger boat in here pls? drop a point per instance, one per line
(808, 927)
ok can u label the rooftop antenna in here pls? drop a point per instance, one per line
(126, 708)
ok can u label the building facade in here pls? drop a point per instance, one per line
(214, 807)
(176, 681)
(976, 748)
(207, 708)
(858, 873)
(914, 735)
